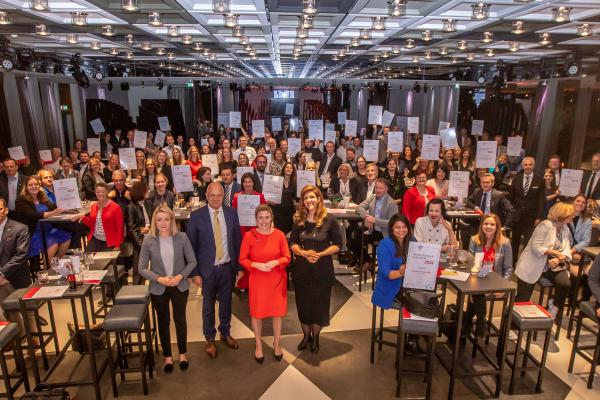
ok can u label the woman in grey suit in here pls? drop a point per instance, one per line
(172, 260)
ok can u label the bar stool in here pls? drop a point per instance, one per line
(10, 340)
(491, 329)
(586, 310)
(138, 294)
(123, 319)
(546, 284)
(406, 326)
(529, 326)
(109, 281)
(12, 304)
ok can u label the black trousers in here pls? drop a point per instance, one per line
(163, 313)
(355, 240)
(95, 245)
(522, 228)
(562, 285)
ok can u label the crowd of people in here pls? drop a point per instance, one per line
(400, 197)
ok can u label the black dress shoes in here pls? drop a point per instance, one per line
(314, 346)
(305, 340)
(168, 368)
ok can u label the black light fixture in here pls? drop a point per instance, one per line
(124, 86)
(109, 85)
(160, 84)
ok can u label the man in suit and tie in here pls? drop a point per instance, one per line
(260, 171)
(589, 184)
(526, 193)
(230, 185)
(11, 182)
(376, 211)
(488, 200)
(330, 162)
(214, 231)
(14, 243)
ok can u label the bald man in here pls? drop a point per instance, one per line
(214, 231)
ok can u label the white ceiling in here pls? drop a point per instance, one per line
(271, 27)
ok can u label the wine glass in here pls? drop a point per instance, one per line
(452, 250)
(55, 265)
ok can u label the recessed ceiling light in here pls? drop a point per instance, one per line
(302, 33)
(39, 5)
(306, 21)
(4, 18)
(410, 44)
(470, 56)
(129, 55)
(335, 57)
(95, 45)
(454, 60)
(154, 19)
(584, 30)
(160, 51)
(42, 30)
(443, 51)
(114, 51)
(107, 30)
(489, 52)
(428, 54)
(213, 56)
(79, 19)
(463, 45)
(365, 34)
(378, 23)
(244, 40)
(129, 38)
(479, 11)
(237, 31)
(171, 56)
(513, 46)
(385, 54)
(173, 31)
(545, 39)
(396, 49)
(130, 5)
(415, 59)
(197, 47)
(354, 42)
(518, 27)
(449, 25)
(14, 35)
(146, 46)
(561, 14)
(72, 38)
(426, 35)
(397, 8)
(221, 6)
(186, 39)
(487, 37)
(309, 7)
(231, 20)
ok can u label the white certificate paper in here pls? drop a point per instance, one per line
(275, 124)
(182, 178)
(46, 156)
(330, 137)
(258, 128)
(375, 115)
(240, 171)
(272, 188)
(97, 126)
(67, 194)
(443, 125)
(93, 145)
(430, 147)
(329, 128)
(421, 266)
(570, 182)
(449, 140)
(351, 127)
(127, 157)
(163, 124)
(16, 153)
(413, 124)
(304, 178)
(342, 117)
(486, 154)
(294, 146)
(477, 127)
(459, 184)
(315, 129)
(159, 138)
(211, 161)
(514, 146)
(235, 119)
(289, 109)
(387, 118)
(371, 149)
(139, 139)
(246, 204)
(395, 141)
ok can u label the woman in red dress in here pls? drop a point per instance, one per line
(265, 254)
(248, 188)
(416, 198)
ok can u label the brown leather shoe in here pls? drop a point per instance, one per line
(231, 342)
(211, 348)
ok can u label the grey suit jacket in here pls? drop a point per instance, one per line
(184, 262)
(388, 209)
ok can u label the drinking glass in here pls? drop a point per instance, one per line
(462, 259)
(452, 250)
(42, 277)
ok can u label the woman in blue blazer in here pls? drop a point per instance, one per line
(581, 237)
(391, 257)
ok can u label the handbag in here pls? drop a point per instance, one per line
(79, 342)
(44, 391)
(422, 303)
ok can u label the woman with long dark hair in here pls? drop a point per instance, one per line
(284, 211)
(391, 258)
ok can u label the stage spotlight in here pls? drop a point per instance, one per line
(81, 78)
(124, 86)
(160, 84)
(416, 87)
(109, 86)
(99, 75)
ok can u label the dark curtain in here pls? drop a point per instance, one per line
(6, 138)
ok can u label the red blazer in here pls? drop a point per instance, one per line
(413, 204)
(112, 221)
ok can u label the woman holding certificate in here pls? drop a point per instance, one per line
(314, 239)
(284, 211)
(391, 258)
(265, 255)
(497, 251)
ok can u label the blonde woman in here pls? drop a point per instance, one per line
(172, 259)
(315, 237)
(194, 160)
(547, 254)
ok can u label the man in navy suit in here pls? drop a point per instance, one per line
(230, 185)
(214, 231)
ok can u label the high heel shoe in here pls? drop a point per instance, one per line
(259, 359)
(305, 341)
(277, 357)
(314, 346)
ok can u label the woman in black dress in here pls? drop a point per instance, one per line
(283, 212)
(314, 239)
